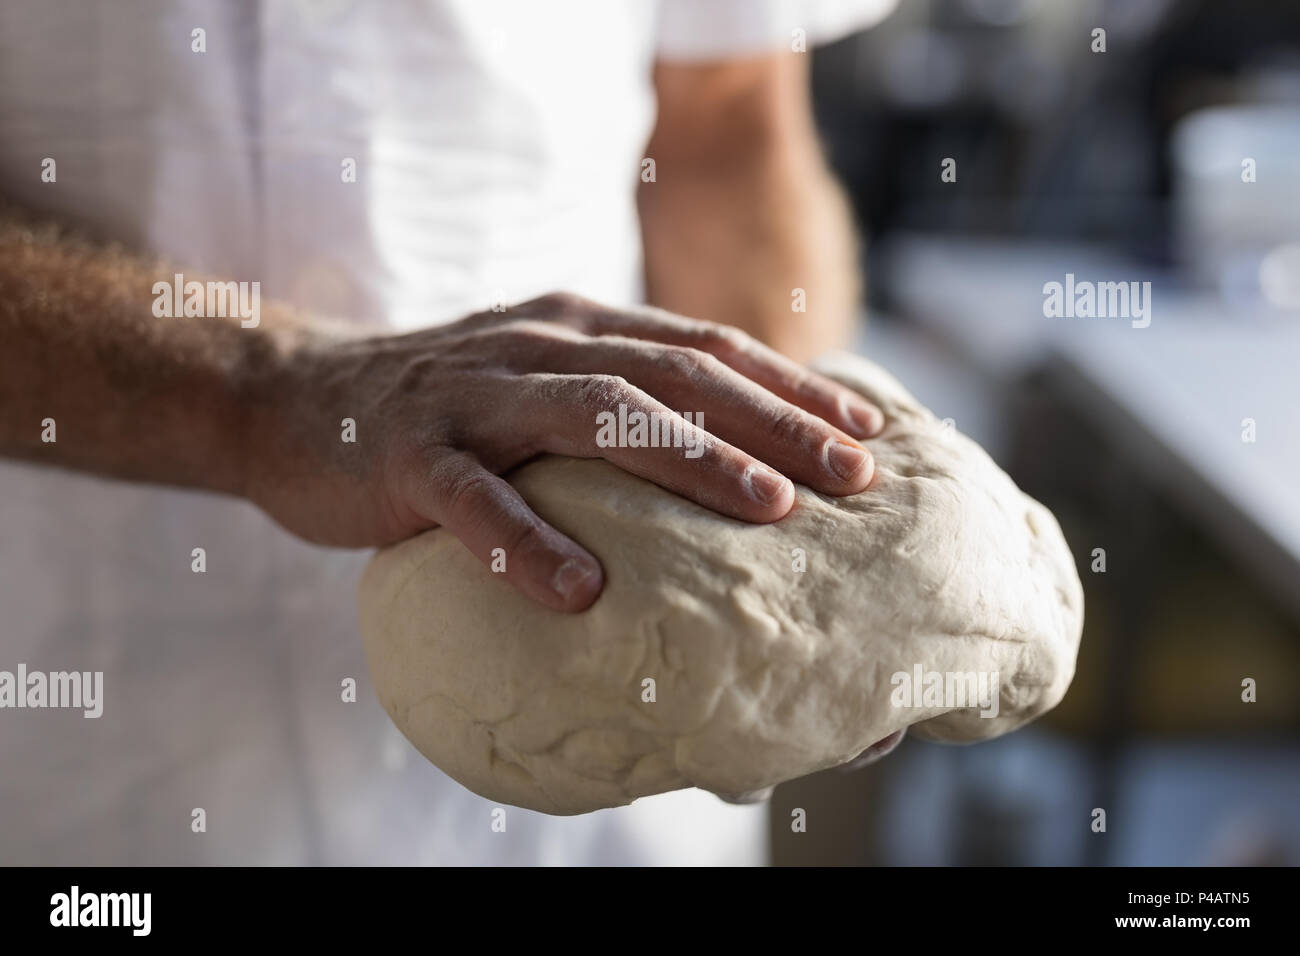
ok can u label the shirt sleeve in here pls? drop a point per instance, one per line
(723, 29)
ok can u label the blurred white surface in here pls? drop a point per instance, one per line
(223, 691)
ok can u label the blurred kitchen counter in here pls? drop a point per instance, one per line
(1173, 396)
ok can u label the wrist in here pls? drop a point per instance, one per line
(270, 391)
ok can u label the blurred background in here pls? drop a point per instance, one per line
(1170, 453)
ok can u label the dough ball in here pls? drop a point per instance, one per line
(761, 673)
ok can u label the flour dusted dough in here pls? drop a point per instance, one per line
(762, 673)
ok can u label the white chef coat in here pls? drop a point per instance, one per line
(496, 146)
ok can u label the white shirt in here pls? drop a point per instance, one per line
(497, 146)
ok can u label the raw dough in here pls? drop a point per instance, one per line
(762, 673)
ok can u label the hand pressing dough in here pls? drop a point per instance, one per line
(761, 673)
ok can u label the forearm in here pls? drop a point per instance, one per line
(733, 243)
(130, 394)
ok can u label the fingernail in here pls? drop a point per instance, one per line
(845, 460)
(765, 486)
(573, 577)
(866, 419)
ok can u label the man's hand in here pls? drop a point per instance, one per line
(440, 414)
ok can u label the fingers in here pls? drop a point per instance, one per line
(876, 751)
(580, 415)
(589, 372)
(736, 409)
(486, 514)
(749, 796)
(837, 404)
(869, 756)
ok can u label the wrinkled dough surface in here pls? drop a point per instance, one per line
(762, 673)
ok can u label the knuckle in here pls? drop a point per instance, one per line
(790, 425)
(528, 332)
(522, 536)
(557, 304)
(726, 339)
(813, 385)
(806, 386)
(601, 391)
(521, 325)
(546, 388)
(688, 362)
(470, 495)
